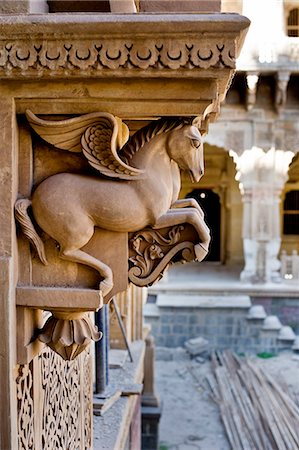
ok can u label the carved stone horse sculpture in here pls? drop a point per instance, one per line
(140, 186)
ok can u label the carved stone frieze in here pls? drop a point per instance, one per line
(93, 56)
(152, 251)
(138, 43)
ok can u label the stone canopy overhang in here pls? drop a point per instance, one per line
(144, 65)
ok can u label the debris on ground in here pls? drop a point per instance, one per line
(200, 359)
(188, 409)
(197, 346)
(172, 354)
(257, 412)
(190, 419)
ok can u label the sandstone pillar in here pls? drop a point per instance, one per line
(262, 175)
(149, 397)
(63, 67)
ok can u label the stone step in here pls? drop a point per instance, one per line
(203, 301)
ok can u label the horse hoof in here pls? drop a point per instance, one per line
(200, 252)
(105, 287)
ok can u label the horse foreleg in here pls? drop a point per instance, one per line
(194, 218)
(81, 257)
(187, 203)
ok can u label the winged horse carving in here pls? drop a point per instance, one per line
(137, 185)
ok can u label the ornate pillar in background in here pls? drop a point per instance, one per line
(262, 175)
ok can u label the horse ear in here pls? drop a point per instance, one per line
(196, 122)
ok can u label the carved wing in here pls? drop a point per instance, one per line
(98, 135)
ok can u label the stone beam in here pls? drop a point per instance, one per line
(179, 5)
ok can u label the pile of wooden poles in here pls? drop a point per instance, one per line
(257, 413)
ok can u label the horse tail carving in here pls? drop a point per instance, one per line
(22, 216)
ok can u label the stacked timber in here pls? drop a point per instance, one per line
(257, 413)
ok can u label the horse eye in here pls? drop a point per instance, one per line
(195, 143)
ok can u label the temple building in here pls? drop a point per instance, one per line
(250, 195)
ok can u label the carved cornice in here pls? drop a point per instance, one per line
(98, 55)
(94, 49)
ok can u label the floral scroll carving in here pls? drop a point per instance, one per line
(152, 251)
(102, 55)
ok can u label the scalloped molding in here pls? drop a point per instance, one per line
(94, 46)
(98, 55)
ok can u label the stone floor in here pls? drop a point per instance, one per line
(190, 419)
(215, 277)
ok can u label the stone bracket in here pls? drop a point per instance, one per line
(152, 251)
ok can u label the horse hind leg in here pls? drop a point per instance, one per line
(81, 257)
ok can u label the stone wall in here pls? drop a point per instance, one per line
(287, 309)
(223, 327)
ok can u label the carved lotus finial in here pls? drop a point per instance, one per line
(68, 334)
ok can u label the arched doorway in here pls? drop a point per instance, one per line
(209, 201)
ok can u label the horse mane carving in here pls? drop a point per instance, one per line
(145, 134)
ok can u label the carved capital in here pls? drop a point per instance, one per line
(69, 333)
(258, 168)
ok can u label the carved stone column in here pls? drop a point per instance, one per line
(149, 396)
(282, 81)
(251, 81)
(262, 175)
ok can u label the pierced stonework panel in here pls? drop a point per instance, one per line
(24, 384)
(54, 403)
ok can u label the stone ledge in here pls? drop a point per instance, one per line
(226, 289)
(151, 310)
(51, 298)
(114, 426)
(84, 45)
(90, 23)
(203, 301)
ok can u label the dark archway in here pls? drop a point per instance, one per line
(210, 203)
